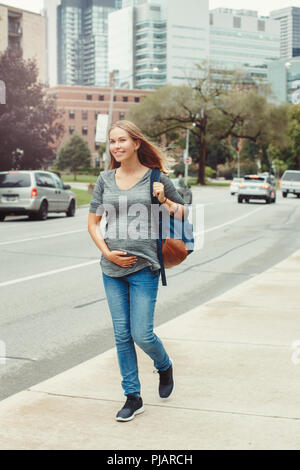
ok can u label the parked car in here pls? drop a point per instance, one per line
(184, 191)
(290, 183)
(234, 186)
(261, 186)
(34, 193)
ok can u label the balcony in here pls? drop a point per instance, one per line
(14, 29)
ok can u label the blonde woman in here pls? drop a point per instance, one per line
(129, 262)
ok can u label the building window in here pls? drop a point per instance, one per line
(121, 115)
(84, 115)
(237, 22)
(72, 114)
(125, 99)
(115, 98)
(89, 97)
(84, 131)
(137, 99)
(97, 146)
(71, 130)
(101, 97)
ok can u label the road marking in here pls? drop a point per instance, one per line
(22, 240)
(42, 237)
(233, 220)
(48, 273)
(77, 266)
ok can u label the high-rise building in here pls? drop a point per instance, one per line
(240, 39)
(154, 42)
(289, 19)
(132, 3)
(23, 33)
(77, 41)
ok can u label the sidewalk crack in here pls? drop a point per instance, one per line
(171, 407)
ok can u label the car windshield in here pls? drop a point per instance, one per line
(14, 180)
(291, 176)
(254, 179)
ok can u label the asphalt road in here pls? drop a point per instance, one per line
(53, 312)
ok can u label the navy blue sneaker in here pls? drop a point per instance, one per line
(166, 382)
(133, 406)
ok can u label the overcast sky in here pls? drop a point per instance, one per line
(263, 6)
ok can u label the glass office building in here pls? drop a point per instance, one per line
(284, 77)
(162, 40)
(289, 20)
(240, 39)
(77, 41)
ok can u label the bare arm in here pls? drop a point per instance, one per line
(174, 209)
(96, 234)
(117, 257)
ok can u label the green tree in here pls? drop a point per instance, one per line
(294, 134)
(29, 121)
(74, 155)
(212, 112)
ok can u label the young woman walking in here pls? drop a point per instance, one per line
(129, 262)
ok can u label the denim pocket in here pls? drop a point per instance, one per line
(149, 271)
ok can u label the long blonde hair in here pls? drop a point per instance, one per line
(148, 154)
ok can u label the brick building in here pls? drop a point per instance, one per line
(82, 105)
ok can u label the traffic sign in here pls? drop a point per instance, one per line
(188, 160)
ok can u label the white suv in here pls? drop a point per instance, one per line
(290, 183)
(34, 193)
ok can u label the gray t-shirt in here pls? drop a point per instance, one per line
(128, 222)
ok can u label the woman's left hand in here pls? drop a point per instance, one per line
(159, 191)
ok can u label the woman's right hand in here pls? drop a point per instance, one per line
(120, 258)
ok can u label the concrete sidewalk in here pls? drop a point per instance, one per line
(236, 384)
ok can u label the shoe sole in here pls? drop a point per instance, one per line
(137, 412)
(167, 398)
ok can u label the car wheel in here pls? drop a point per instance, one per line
(71, 210)
(2, 217)
(43, 212)
(268, 200)
(240, 199)
(284, 194)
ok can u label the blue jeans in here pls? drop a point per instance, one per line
(131, 301)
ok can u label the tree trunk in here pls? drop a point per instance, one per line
(202, 163)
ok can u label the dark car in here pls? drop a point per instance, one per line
(184, 191)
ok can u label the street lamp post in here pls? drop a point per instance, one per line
(109, 121)
(186, 154)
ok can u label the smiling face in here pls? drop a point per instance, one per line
(122, 146)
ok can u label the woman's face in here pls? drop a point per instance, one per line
(122, 146)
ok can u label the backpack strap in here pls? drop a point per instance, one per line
(155, 178)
